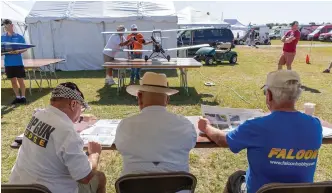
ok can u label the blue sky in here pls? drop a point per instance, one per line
(261, 12)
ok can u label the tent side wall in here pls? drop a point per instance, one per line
(81, 43)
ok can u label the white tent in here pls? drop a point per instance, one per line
(190, 17)
(235, 24)
(72, 29)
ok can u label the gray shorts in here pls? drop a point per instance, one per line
(91, 187)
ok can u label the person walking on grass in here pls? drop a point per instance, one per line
(328, 69)
(290, 40)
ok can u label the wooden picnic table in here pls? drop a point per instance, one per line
(183, 64)
(202, 140)
(40, 64)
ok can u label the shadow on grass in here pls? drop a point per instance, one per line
(109, 96)
(312, 90)
(222, 64)
(7, 96)
(101, 73)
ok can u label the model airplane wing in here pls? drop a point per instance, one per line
(7, 47)
(188, 47)
(187, 29)
(126, 50)
(125, 32)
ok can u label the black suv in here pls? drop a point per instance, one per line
(204, 36)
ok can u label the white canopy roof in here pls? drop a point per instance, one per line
(98, 11)
(190, 16)
(13, 12)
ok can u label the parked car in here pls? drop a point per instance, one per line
(321, 29)
(325, 36)
(306, 30)
(204, 36)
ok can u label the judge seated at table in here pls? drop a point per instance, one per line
(155, 140)
(282, 147)
(52, 153)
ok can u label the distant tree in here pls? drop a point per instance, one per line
(277, 24)
(284, 24)
(312, 23)
(270, 25)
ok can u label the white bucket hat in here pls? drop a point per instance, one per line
(152, 82)
(134, 26)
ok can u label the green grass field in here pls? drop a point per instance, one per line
(211, 166)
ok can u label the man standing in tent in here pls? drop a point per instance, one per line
(116, 41)
(137, 44)
(290, 39)
(13, 61)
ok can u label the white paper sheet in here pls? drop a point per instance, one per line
(228, 119)
(327, 132)
(103, 132)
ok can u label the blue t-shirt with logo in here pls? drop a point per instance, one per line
(13, 59)
(281, 147)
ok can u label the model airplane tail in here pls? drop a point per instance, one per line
(7, 47)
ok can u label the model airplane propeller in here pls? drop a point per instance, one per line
(9, 47)
(157, 48)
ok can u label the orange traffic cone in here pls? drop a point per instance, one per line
(307, 59)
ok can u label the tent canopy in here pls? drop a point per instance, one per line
(72, 30)
(13, 12)
(101, 11)
(191, 17)
(233, 22)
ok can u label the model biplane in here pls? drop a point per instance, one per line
(157, 48)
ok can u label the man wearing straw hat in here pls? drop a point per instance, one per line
(154, 140)
(52, 153)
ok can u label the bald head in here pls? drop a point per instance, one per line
(146, 99)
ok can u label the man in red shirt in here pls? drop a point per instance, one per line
(290, 39)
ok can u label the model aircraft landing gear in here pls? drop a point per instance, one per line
(146, 58)
(168, 57)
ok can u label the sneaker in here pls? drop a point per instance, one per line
(23, 100)
(131, 82)
(326, 71)
(16, 101)
(111, 82)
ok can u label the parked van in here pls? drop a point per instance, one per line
(306, 30)
(204, 36)
(321, 29)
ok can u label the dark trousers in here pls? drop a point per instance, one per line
(135, 71)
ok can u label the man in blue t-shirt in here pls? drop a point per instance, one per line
(282, 147)
(13, 62)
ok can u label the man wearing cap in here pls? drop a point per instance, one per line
(290, 39)
(137, 44)
(116, 41)
(155, 140)
(282, 147)
(52, 153)
(13, 61)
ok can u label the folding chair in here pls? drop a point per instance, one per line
(156, 183)
(318, 187)
(24, 188)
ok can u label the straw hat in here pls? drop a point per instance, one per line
(152, 82)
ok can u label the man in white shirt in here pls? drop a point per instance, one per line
(116, 41)
(52, 153)
(155, 140)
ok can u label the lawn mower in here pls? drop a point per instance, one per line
(218, 52)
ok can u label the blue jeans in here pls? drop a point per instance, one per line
(135, 71)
